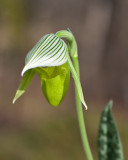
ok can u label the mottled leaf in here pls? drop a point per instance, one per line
(109, 143)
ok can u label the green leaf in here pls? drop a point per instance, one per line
(54, 82)
(109, 143)
(77, 82)
(26, 80)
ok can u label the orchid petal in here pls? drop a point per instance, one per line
(77, 82)
(25, 82)
(50, 50)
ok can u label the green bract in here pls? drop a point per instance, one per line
(50, 52)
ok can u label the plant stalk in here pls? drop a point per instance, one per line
(81, 117)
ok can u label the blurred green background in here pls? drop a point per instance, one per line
(31, 128)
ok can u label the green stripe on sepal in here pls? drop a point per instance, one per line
(54, 82)
(26, 80)
(109, 143)
(77, 82)
(49, 51)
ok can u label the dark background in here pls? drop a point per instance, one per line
(31, 128)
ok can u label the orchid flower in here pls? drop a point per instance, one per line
(50, 59)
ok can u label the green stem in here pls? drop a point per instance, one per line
(81, 118)
(73, 50)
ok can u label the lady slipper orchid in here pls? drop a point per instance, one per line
(50, 59)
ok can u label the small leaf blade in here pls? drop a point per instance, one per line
(109, 143)
(26, 80)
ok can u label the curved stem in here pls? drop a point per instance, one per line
(73, 50)
(72, 46)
